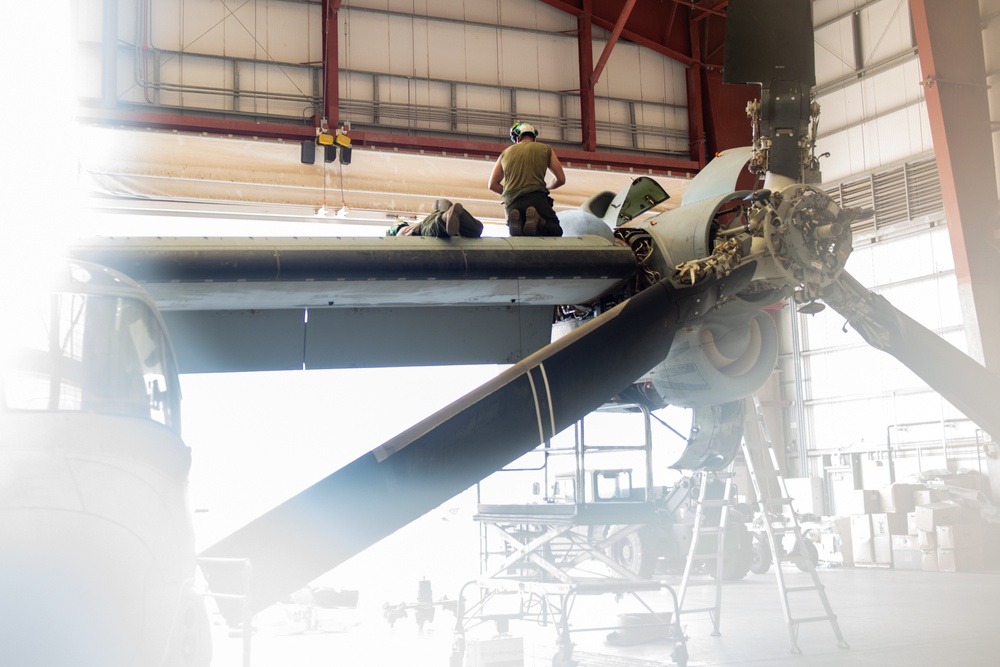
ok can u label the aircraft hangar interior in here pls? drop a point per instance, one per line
(500, 333)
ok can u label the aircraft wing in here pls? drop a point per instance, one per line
(253, 304)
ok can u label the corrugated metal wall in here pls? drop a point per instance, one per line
(868, 86)
(429, 66)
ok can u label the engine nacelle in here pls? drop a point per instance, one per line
(726, 356)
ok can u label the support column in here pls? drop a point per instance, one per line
(950, 46)
(331, 63)
(585, 46)
(696, 114)
(109, 54)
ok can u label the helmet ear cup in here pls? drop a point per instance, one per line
(515, 133)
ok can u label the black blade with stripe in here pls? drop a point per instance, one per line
(446, 453)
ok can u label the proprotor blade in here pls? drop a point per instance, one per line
(463, 443)
(957, 377)
(770, 42)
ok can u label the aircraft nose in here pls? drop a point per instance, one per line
(76, 589)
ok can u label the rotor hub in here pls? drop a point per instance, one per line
(808, 236)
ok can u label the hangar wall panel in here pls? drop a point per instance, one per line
(885, 30)
(834, 52)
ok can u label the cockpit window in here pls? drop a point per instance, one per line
(77, 352)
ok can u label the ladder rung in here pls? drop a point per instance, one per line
(814, 619)
(777, 501)
(710, 530)
(701, 582)
(696, 611)
(713, 503)
(799, 589)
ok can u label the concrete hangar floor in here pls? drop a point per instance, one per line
(889, 617)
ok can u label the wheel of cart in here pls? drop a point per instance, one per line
(680, 654)
(564, 657)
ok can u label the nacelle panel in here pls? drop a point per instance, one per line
(725, 357)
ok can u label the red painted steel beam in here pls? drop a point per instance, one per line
(703, 11)
(950, 47)
(646, 41)
(191, 123)
(376, 140)
(696, 112)
(585, 53)
(612, 40)
(331, 63)
(570, 158)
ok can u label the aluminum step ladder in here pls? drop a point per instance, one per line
(704, 528)
(779, 520)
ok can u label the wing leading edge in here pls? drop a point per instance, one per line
(239, 304)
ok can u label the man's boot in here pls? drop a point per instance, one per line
(469, 226)
(514, 222)
(533, 223)
(453, 219)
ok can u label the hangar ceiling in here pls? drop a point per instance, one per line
(209, 101)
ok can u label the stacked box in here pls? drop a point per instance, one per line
(960, 536)
(499, 652)
(897, 523)
(960, 547)
(881, 539)
(927, 539)
(858, 501)
(960, 560)
(843, 526)
(862, 547)
(929, 517)
(906, 554)
(911, 523)
(928, 496)
(807, 492)
(897, 497)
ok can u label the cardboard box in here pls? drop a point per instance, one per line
(882, 538)
(843, 526)
(929, 517)
(897, 523)
(927, 540)
(897, 497)
(856, 501)
(499, 652)
(862, 545)
(959, 560)
(907, 559)
(808, 494)
(911, 523)
(928, 496)
(960, 536)
(905, 542)
(929, 561)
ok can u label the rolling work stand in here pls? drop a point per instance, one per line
(543, 565)
(778, 521)
(538, 558)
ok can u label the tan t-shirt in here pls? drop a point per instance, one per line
(524, 165)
